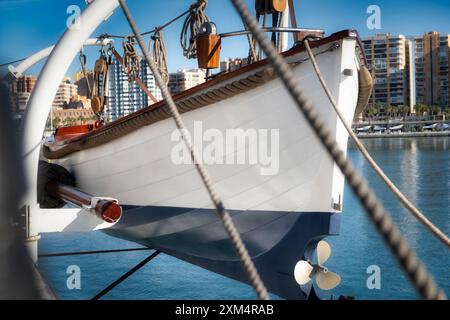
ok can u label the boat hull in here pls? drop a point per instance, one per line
(276, 240)
(281, 208)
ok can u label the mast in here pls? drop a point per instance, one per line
(284, 36)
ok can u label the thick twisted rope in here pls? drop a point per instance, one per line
(383, 222)
(130, 59)
(234, 235)
(160, 54)
(191, 27)
(402, 198)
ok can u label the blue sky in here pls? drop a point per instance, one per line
(27, 26)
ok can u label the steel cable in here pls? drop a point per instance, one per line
(414, 269)
(234, 235)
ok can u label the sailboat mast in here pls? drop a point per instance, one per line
(283, 37)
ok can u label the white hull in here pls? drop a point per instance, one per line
(279, 216)
(137, 169)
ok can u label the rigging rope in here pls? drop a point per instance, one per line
(11, 62)
(86, 78)
(160, 54)
(130, 59)
(123, 277)
(78, 253)
(382, 220)
(252, 53)
(233, 233)
(403, 199)
(191, 27)
(98, 95)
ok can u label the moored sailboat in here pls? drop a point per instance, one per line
(283, 200)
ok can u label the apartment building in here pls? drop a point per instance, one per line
(185, 79)
(127, 97)
(65, 92)
(432, 69)
(390, 63)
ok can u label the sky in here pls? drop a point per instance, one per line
(27, 26)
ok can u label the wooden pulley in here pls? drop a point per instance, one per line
(99, 99)
(101, 66)
(98, 104)
(208, 47)
(270, 6)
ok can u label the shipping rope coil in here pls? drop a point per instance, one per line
(192, 27)
(160, 54)
(130, 59)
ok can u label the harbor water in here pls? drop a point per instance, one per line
(419, 166)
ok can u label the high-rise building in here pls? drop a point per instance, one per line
(390, 62)
(127, 97)
(185, 79)
(432, 69)
(21, 90)
(25, 84)
(20, 101)
(65, 92)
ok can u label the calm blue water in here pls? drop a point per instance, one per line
(419, 166)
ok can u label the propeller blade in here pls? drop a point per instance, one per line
(302, 272)
(323, 252)
(327, 280)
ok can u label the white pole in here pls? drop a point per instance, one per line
(285, 24)
(44, 53)
(43, 94)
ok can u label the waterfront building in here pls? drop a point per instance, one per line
(390, 62)
(78, 102)
(65, 92)
(185, 79)
(20, 101)
(25, 84)
(432, 69)
(80, 80)
(229, 64)
(127, 97)
(21, 90)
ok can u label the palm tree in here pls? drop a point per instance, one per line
(371, 111)
(435, 110)
(56, 122)
(389, 111)
(421, 109)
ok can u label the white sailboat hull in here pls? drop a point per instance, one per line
(281, 215)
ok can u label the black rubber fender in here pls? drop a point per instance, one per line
(51, 172)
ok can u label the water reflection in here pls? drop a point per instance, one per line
(421, 169)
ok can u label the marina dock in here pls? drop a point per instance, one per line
(404, 134)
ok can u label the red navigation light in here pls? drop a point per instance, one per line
(108, 210)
